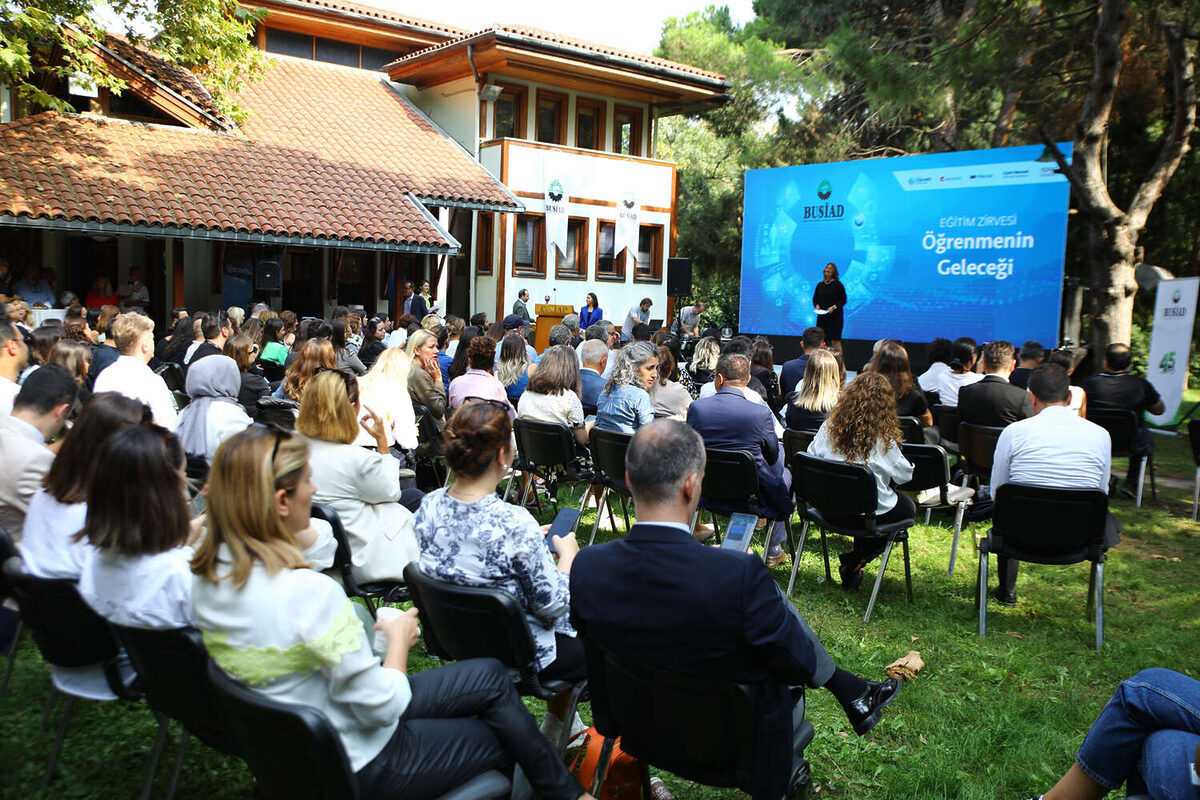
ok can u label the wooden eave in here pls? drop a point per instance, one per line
(344, 27)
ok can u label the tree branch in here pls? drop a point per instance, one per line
(1087, 170)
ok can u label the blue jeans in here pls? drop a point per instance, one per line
(1150, 726)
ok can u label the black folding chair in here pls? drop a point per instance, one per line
(278, 411)
(374, 593)
(547, 450)
(946, 420)
(8, 550)
(977, 449)
(911, 430)
(932, 399)
(462, 622)
(430, 466)
(730, 486)
(272, 370)
(295, 753)
(69, 634)
(172, 666)
(1194, 440)
(172, 374)
(700, 729)
(181, 399)
(931, 470)
(608, 457)
(841, 498)
(1122, 427)
(796, 442)
(1048, 526)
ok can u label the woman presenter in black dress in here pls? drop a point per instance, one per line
(830, 297)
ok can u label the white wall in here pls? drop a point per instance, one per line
(5, 104)
(455, 107)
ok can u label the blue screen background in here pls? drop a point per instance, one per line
(890, 210)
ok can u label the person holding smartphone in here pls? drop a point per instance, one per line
(469, 536)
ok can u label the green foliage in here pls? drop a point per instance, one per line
(50, 39)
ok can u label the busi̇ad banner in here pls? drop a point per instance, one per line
(625, 237)
(556, 206)
(1171, 343)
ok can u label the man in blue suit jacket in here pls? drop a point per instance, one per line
(660, 597)
(594, 355)
(727, 420)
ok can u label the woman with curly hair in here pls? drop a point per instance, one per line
(863, 428)
(625, 404)
(315, 354)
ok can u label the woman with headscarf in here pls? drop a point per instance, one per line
(214, 413)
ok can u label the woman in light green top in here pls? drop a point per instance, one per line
(270, 346)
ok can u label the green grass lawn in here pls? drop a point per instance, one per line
(998, 717)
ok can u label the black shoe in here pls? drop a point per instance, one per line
(850, 571)
(865, 712)
(1129, 491)
(1009, 600)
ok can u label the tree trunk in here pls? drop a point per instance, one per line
(1111, 253)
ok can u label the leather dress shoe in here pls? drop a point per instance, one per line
(776, 560)
(1009, 600)
(850, 570)
(865, 712)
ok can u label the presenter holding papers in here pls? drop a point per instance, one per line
(829, 299)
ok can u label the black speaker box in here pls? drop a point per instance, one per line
(679, 277)
(268, 276)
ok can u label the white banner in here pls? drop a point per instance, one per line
(1171, 343)
(553, 179)
(626, 235)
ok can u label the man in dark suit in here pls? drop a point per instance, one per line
(660, 597)
(793, 371)
(994, 401)
(413, 303)
(728, 420)
(1116, 389)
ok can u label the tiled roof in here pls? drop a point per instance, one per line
(567, 41)
(86, 169)
(352, 116)
(173, 76)
(378, 13)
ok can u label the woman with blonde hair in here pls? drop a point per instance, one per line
(362, 486)
(314, 355)
(76, 357)
(384, 390)
(430, 321)
(699, 370)
(863, 428)
(817, 393)
(425, 384)
(514, 368)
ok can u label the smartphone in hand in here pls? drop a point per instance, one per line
(740, 532)
(563, 524)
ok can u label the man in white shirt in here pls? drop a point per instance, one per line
(639, 313)
(940, 354)
(14, 357)
(1055, 448)
(130, 374)
(134, 295)
(38, 415)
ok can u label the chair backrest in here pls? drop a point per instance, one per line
(181, 399)
(796, 442)
(173, 668)
(427, 430)
(342, 561)
(67, 631)
(977, 446)
(1194, 439)
(462, 622)
(699, 729)
(911, 430)
(292, 750)
(546, 444)
(278, 411)
(1122, 427)
(271, 370)
(172, 375)
(1050, 526)
(946, 419)
(932, 399)
(608, 455)
(7, 550)
(931, 467)
(834, 488)
(730, 476)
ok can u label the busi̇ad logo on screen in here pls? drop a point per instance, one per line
(825, 209)
(1175, 310)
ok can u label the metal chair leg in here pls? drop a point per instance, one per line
(179, 756)
(983, 583)
(1196, 495)
(644, 772)
(907, 570)
(958, 520)
(12, 658)
(887, 552)
(49, 707)
(625, 512)
(796, 558)
(1141, 479)
(1091, 595)
(1153, 483)
(602, 765)
(825, 552)
(928, 514)
(58, 741)
(1099, 604)
(160, 739)
(564, 737)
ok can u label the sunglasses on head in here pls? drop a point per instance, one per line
(280, 434)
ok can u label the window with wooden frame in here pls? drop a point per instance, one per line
(627, 130)
(648, 268)
(550, 118)
(589, 123)
(608, 266)
(484, 232)
(573, 264)
(509, 113)
(529, 246)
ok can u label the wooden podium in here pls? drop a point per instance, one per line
(547, 317)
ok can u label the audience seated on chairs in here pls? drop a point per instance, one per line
(1116, 389)
(669, 396)
(39, 412)
(214, 414)
(417, 736)
(252, 385)
(270, 342)
(659, 597)
(891, 361)
(362, 486)
(442, 334)
(341, 350)
(469, 536)
(130, 374)
(605, 333)
(478, 381)
(625, 405)
(374, 333)
(1056, 449)
(384, 391)
(513, 367)
(594, 358)
(57, 512)
(940, 352)
(1029, 358)
(730, 421)
(810, 404)
(1147, 737)
(461, 361)
(812, 341)
(993, 401)
(863, 428)
(425, 385)
(314, 355)
(174, 346)
(216, 329)
(1066, 359)
(961, 373)
(762, 369)
(77, 358)
(699, 371)
(553, 393)
(14, 358)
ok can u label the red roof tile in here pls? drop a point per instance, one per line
(174, 77)
(378, 13)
